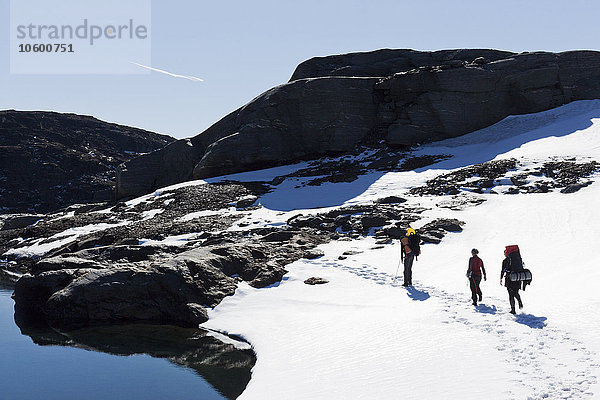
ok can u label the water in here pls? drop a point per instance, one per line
(77, 365)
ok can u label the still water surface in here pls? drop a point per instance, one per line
(31, 371)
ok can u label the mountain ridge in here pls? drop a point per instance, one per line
(52, 160)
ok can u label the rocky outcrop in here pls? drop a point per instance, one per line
(500, 177)
(50, 160)
(170, 288)
(163, 260)
(434, 103)
(289, 122)
(386, 62)
(387, 97)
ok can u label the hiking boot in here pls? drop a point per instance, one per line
(405, 284)
(513, 311)
(474, 303)
(520, 306)
(480, 297)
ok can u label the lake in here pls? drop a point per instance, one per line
(117, 362)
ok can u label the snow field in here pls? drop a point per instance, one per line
(363, 336)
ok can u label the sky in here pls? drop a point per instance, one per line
(239, 49)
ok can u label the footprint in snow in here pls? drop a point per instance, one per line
(547, 377)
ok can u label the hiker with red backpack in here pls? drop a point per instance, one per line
(474, 273)
(512, 269)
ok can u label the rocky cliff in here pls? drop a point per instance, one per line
(50, 160)
(392, 98)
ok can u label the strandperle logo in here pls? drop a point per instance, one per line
(84, 31)
(80, 37)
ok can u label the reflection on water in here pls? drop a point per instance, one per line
(59, 369)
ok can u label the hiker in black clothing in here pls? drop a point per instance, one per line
(474, 273)
(512, 257)
(410, 248)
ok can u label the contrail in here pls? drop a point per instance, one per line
(191, 78)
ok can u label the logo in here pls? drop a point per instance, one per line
(79, 37)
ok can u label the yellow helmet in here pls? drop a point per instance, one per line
(410, 231)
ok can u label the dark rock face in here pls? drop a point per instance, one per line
(387, 62)
(50, 160)
(438, 102)
(287, 123)
(387, 97)
(171, 164)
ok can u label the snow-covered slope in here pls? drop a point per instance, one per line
(364, 336)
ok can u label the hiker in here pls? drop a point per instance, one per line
(512, 263)
(410, 249)
(474, 273)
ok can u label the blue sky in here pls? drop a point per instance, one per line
(242, 48)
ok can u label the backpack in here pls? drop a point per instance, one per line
(516, 269)
(414, 242)
(515, 262)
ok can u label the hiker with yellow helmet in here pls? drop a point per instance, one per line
(410, 249)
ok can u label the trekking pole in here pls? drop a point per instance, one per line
(397, 268)
(399, 261)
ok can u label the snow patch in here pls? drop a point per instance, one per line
(37, 248)
(176, 240)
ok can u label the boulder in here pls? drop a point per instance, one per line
(19, 221)
(313, 254)
(315, 280)
(390, 200)
(394, 232)
(447, 224)
(370, 221)
(246, 202)
(68, 297)
(574, 187)
(174, 163)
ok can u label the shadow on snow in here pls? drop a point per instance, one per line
(531, 321)
(416, 294)
(485, 309)
(511, 133)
